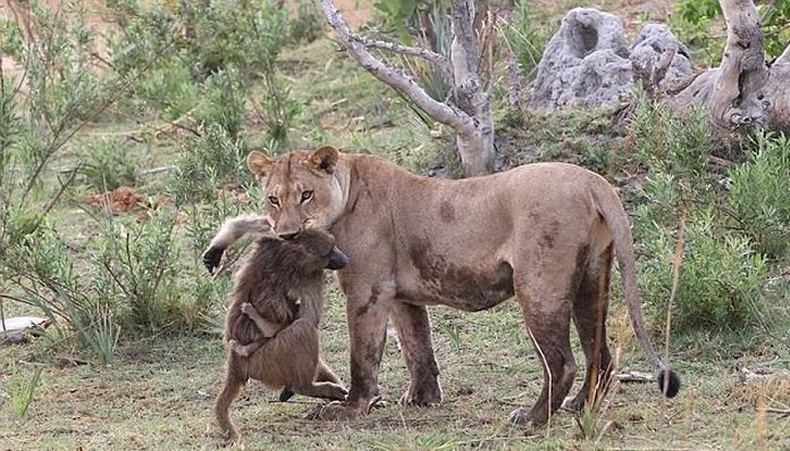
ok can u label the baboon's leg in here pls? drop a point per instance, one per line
(414, 333)
(589, 314)
(268, 329)
(323, 374)
(233, 385)
(327, 390)
(244, 350)
(547, 316)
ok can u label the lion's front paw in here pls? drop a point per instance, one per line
(520, 417)
(211, 258)
(527, 419)
(573, 403)
(425, 395)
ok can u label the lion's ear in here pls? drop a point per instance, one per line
(324, 159)
(259, 164)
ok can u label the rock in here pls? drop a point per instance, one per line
(653, 43)
(13, 329)
(587, 62)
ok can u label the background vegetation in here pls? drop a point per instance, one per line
(123, 132)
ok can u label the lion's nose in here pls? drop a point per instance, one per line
(289, 235)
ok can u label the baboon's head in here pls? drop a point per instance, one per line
(318, 250)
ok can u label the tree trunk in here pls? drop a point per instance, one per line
(476, 140)
(469, 113)
(744, 91)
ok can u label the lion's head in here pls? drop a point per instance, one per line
(301, 187)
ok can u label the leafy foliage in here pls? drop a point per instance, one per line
(721, 275)
(526, 39)
(759, 196)
(108, 166)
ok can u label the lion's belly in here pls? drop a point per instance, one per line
(464, 288)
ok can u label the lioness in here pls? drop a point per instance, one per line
(543, 232)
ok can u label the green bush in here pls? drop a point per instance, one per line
(108, 165)
(721, 277)
(759, 196)
(307, 25)
(205, 163)
(223, 102)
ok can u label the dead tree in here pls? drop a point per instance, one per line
(469, 110)
(744, 90)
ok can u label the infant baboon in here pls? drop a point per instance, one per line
(277, 303)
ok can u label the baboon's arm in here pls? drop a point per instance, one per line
(230, 232)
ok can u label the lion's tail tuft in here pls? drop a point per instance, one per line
(671, 387)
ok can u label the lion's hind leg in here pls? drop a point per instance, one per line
(590, 306)
(547, 319)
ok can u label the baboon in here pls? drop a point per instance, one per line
(272, 326)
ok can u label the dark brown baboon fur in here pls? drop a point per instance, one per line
(283, 281)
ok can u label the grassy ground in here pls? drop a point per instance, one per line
(159, 395)
(159, 392)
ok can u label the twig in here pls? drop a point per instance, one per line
(677, 260)
(441, 61)
(781, 412)
(548, 377)
(169, 167)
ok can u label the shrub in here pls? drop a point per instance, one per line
(206, 162)
(721, 277)
(526, 39)
(109, 165)
(137, 266)
(759, 199)
(308, 25)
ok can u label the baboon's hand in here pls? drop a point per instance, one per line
(211, 258)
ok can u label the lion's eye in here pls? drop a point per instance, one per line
(274, 201)
(306, 195)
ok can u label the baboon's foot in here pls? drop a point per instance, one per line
(229, 438)
(238, 348)
(286, 394)
(247, 308)
(326, 390)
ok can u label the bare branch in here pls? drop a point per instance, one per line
(435, 58)
(444, 113)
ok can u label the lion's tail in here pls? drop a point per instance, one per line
(611, 208)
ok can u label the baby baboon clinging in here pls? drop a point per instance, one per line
(277, 303)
